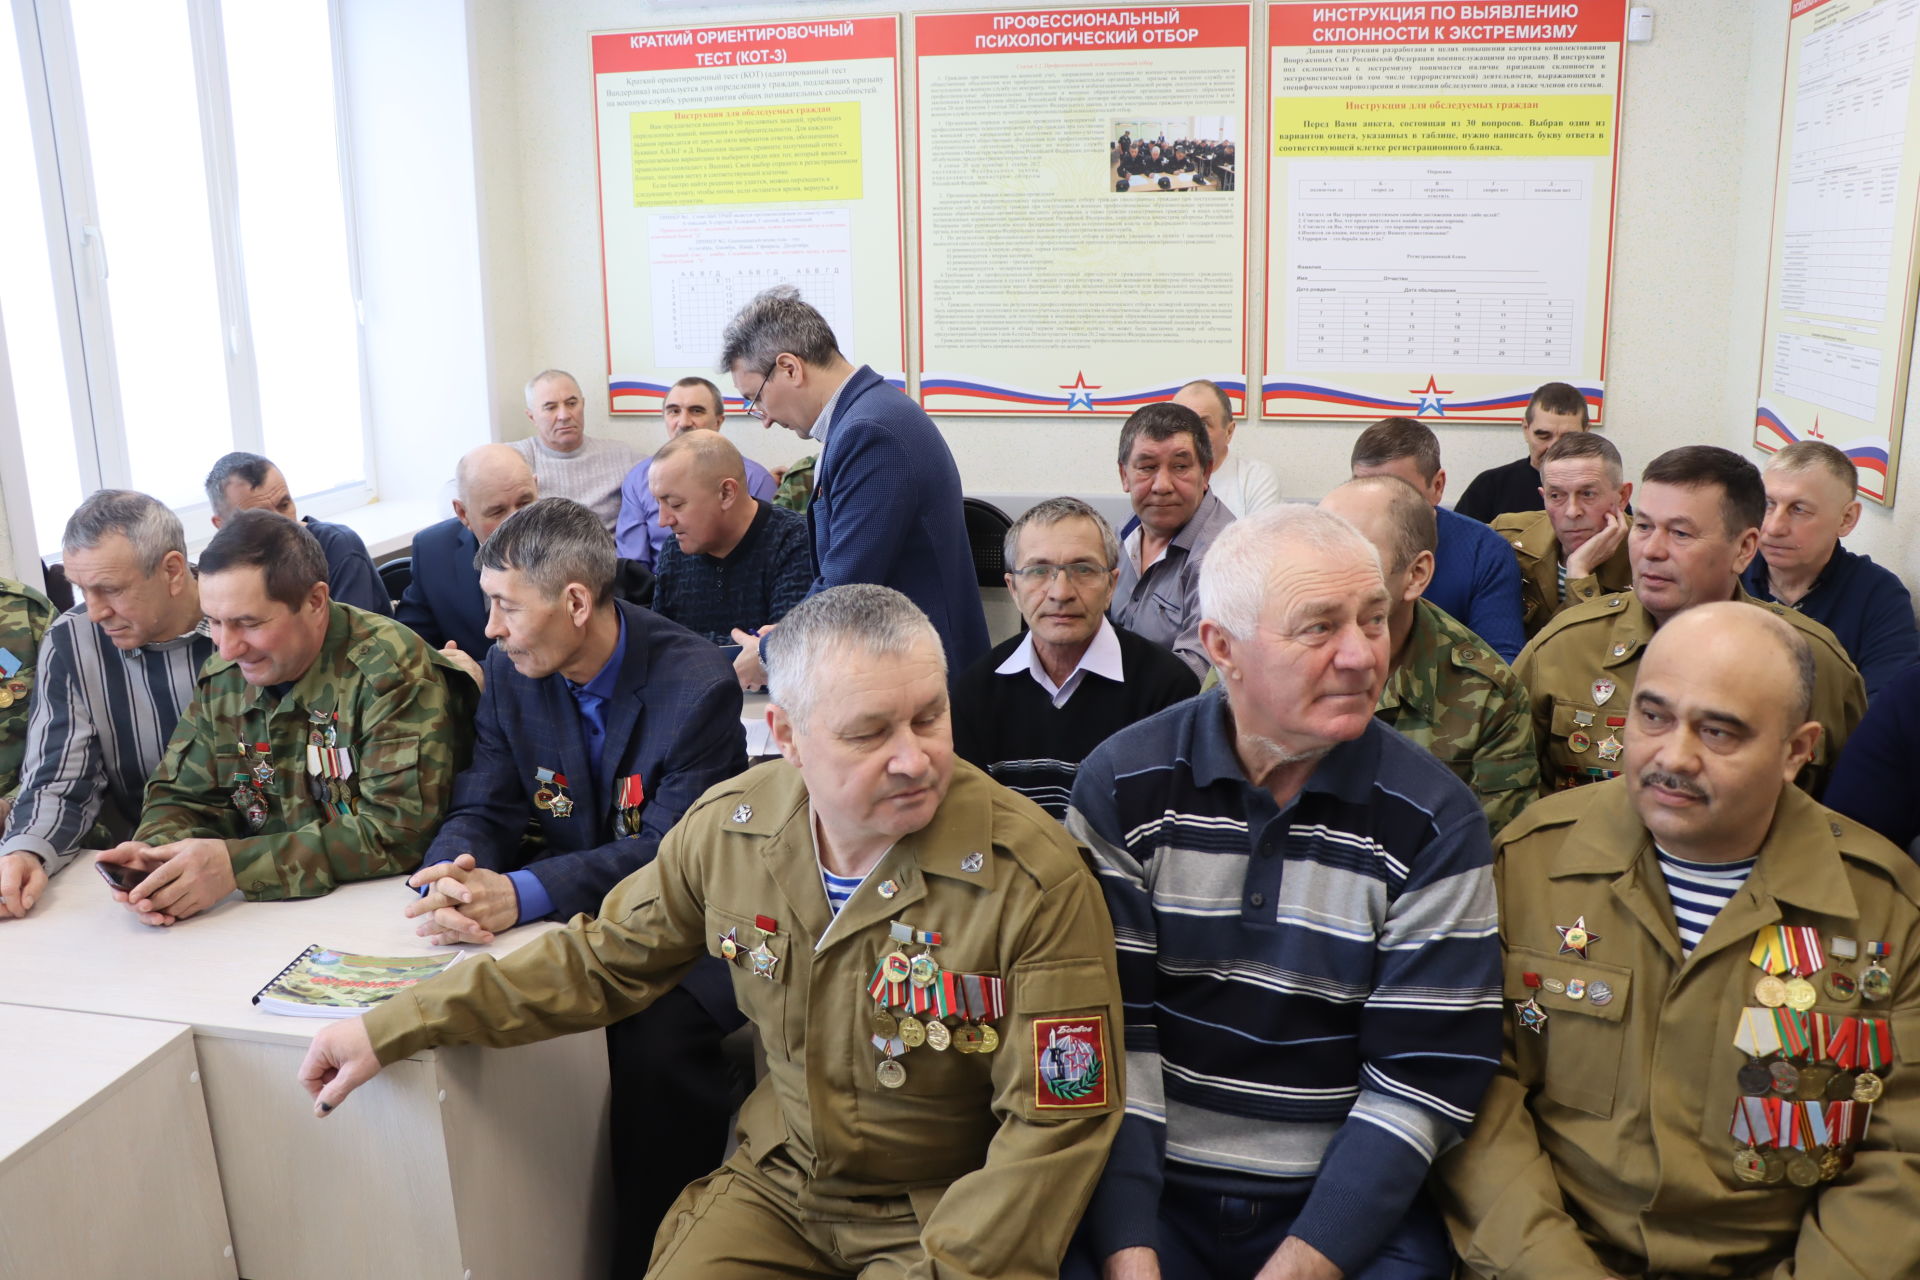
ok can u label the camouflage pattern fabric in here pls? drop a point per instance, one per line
(1454, 696)
(1537, 547)
(796, 486)
(405, 717)
(25, 615)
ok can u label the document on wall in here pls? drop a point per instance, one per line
(737, 158)
(1439, 206)
(1082, 225)
(1841, 285)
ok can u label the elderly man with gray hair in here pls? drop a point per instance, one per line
(1309, 958)
(922, 951)
(116, 673)
(566, 461)
(1030, 711)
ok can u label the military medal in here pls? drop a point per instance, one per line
(889, 888)
(1769, 954)
(1876, 984)
(973, 862)
(730, 945)
(263, 772)
(1756, 1128)
(1611, 746)
(966, 1039)
(1770, 991)
(629, 794)
(913, 1032)
(6, 699)
(885, 1025)
(1575, 938)
(1582, 719)
(1532, 1016)
(890, 1073)
(1578, 742)
(1602, 689)
(552, 793)
(1576, 989)
(938, 1036)
(1599, 993)
(762, 960)
(1802, 1169)
(1873, 1045)
(1839, 986)
(1554, 985)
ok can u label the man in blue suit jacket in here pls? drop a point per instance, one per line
(444, 604)
(886, 493)
(601, 722)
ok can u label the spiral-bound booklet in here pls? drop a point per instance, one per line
(321, 983)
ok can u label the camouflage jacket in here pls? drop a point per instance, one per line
(796, 486)
(405, 717)
(25, 615)
(1537, 548)
(1454, 696)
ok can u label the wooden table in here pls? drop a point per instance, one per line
(456, 1163)
(106, 1164)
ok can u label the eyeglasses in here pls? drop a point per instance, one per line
(1080, 573)
(754, 409)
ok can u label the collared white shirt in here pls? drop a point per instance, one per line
(818, 431)
(1102, 658)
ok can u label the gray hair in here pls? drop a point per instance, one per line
(554, 541)
(775, 321)
(546, 374)
(1053, 511)
(248, 468)
(1581, 445)
(1241, 565)
(872, 620)
(143, 521)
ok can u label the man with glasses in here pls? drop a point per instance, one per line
(1038, 704)
(1165, 457)
(886, 498)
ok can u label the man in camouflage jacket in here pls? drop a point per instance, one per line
(1449, 691)
(25, 615)
(321, 746)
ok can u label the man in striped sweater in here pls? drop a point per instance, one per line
(115, 675)
(1308, 949)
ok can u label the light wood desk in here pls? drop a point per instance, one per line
(455, 1163)
(106, 1166)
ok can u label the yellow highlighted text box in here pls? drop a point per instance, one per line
(747, 155)
(1553, 124)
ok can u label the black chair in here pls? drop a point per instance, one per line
(396, 575)
(59, 590)
(987, 527)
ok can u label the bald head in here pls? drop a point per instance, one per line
(1394, 516)
(491, 483)
(704, 456)
(1731, 636)
(700, 484)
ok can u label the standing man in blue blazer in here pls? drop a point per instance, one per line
(443, 603)
(886, 493)
(601, 722)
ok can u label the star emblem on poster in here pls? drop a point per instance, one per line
(1080, 391)
(1429, 398)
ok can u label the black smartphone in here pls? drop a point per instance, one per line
(121, 878)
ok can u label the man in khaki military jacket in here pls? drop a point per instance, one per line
(1448, 690)
(1576, 549)
(1643, 1123)
(943, 1070)
(1695, 527)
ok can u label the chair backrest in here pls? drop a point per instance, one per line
(987, 527)
(396, 575)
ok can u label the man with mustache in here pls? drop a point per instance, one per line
(1304, 911)
(922, 951)
(1696, 525)
(1708, 978)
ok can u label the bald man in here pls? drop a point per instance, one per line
(731, 561)
(1709, 977)
(692, 404)
(1448, 691)
(444, 603)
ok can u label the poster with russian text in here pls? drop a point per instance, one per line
(1841, 285)
(737, 158)
(1082, 229)
(1439, 206)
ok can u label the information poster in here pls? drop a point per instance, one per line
(1840, 288)
(733, 159)
(1439, 206)
(1082, 228)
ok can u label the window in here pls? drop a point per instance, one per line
(198, 237)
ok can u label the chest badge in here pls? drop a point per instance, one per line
(1575, 938)
(1602, 689)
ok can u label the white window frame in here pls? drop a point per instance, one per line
(81, 259)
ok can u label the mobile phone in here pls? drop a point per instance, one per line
(120, 877)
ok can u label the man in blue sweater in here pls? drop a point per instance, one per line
(244, 481)
(886, 493)
(1475, 577)
(1309, 955)
(1810, 507)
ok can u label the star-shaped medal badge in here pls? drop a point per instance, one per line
(1532, 1016)
(762, 959)
(1575, 938)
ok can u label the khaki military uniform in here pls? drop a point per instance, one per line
(1603, 1147)
(1580, 670)
(1455, 697)
(1537, 548)
(25, 615)
(975, 1164)
(402, 713)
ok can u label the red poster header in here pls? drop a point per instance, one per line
(1332, 24)
(750, 44)
(1801, 7)
(1172, 26)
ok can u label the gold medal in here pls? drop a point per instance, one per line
(543, 799)
(885, 1025)
(890, 1073)
(938, 1037)
(1800, 995)
(1813, 1082)
(1802, 1169)
(1831, 1164)
(896, 966)
(966, 1039)
(1867, 1087)
(1840, 986)
(989, 1039)
(923, 970)
(1770, 991)
(1748, 1166)
(913, 1032)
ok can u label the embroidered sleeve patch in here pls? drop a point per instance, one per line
(1070, 1063)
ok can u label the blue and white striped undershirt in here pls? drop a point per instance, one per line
(1699, 890)
(1562, 567)
(839, 888)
